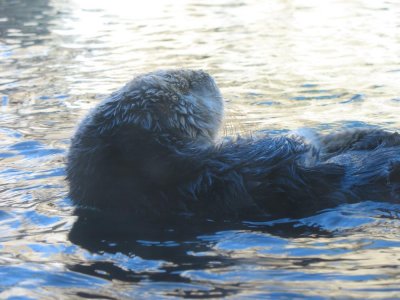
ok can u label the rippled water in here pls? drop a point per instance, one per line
(281, 65)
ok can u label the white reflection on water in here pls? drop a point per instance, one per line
(307, 56)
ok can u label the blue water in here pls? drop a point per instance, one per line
(281, 65)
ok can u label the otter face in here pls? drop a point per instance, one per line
(201, 104)
(185, 104)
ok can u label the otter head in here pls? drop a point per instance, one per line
(183, 104)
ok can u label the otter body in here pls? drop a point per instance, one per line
(149, 150)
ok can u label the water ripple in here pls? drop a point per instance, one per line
(281, 65)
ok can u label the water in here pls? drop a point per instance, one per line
(281, 65)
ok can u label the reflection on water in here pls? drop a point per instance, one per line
(280, 64)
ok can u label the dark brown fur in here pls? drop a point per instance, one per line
(149, 150)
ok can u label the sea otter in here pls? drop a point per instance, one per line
(151, 150)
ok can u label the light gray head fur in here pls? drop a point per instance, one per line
(184, 103)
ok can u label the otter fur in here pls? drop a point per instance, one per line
(151, 150)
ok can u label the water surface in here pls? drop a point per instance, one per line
(281, 65)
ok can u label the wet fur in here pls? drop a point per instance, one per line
(149, 150)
